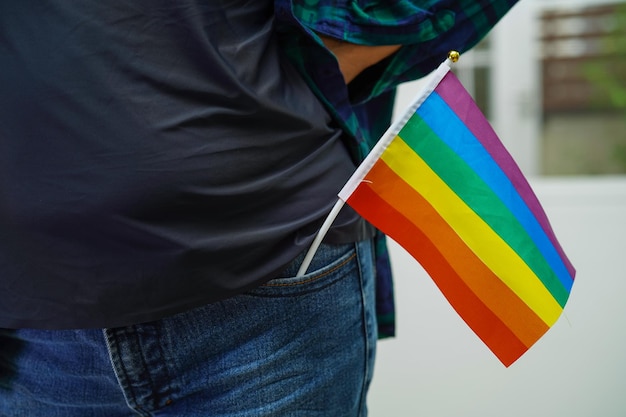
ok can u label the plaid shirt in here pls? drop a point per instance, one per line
(427, 29)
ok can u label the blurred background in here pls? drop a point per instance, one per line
(551, 78)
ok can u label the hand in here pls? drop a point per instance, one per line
(353, 58)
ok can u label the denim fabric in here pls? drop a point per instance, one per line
(292, 347)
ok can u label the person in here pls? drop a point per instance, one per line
(163, 167)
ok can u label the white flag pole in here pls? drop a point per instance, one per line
(372, 157)
(319, 237)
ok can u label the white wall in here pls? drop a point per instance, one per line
(436, 367)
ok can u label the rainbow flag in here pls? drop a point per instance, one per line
(442, 185)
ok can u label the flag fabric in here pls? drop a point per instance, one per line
(442, 185)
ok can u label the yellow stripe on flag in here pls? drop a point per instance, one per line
(472, 229)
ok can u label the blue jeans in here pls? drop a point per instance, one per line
(293, 347)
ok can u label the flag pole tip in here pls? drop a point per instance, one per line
(453, 56)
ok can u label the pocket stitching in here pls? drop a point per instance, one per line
(316, 277)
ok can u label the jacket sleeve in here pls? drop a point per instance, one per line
(427, 29)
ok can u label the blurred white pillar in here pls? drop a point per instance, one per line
(516, 85)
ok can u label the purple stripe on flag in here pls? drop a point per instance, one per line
(453, 93)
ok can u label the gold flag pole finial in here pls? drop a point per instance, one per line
(453, 56)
